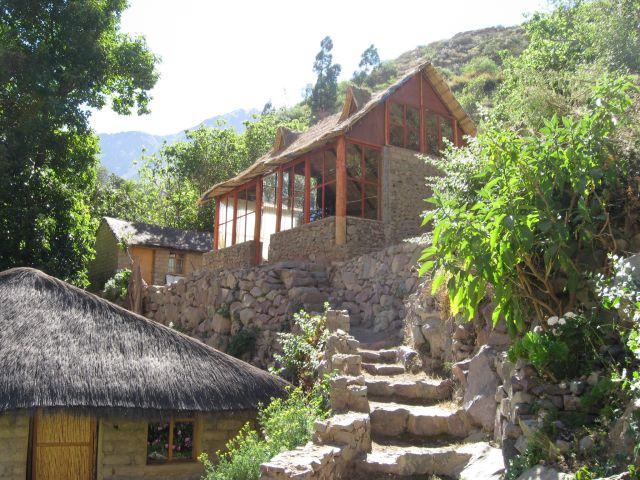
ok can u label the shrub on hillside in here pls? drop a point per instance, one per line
(117, 287)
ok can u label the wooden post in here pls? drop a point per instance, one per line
(258, 213)
(307, 190)
(235, 218)
(341, 191)
(216, 224)
(278, 199)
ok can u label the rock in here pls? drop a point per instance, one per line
(541, 472)
(563, 446)
(577, 387)
(482, 382)
(586, 444)
(338, 320)
(571, 402)
(621, 438)
(460, 370)
(220, 324)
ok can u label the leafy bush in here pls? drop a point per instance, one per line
(302, 349)
(285, 423)
(242, 343)
(528, 215)
(522, 462)
(117, 287)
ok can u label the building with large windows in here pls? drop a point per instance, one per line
(350, 184)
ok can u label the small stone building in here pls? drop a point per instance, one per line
(89, 390)
(349, 185)
(164, 254)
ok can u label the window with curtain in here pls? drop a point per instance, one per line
(437, 128)
(171, 440)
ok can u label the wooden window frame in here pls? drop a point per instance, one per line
(322, 186)
(405, 126)
(232, 196)
(194, 450)
(179, 258)
(439, 117)
(363, 179)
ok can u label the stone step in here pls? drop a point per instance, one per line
(473, 461)
(383, 369)
(378, 356)
(389, 419)
(408, 388)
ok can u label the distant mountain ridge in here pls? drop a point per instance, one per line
(120, 150)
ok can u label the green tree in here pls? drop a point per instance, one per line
(57, 59)
(325, 92)
(368, 61)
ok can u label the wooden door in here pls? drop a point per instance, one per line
(145, 258)
(64, 446)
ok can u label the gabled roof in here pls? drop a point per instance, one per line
(143, 234)
(340, 123)
(64, 347)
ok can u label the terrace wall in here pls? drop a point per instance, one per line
(241, 255)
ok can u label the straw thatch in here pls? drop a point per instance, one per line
(63, 347)
(338, 124)
(144, 234)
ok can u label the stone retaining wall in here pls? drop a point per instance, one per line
(241, 255)
(373, 287)
(237, 307)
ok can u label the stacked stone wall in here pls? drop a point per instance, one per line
(241, 255)
(403, 190)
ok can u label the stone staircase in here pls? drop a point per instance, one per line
(416, 427)
(391, 420)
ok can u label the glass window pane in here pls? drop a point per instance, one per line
(329, 165)
(251, 199)
(222, 210)
(242, 203)
(240, 229)
(298, 210)
(315, 212)
(221, 236)
(330, 200)
(396, 136)
(250, 228)
(354, 199)
(413, 118)
(316, 166)
(371, 164)
(183, 440)
(269, 189)
(229, 234)
(413, 140)
(298, 187)
(158, 442)
(431, 124)
(446, 124)
(396, 113)
(286, 184)
(230, 207)
(371, 202)
(354, 161)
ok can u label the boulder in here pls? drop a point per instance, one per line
(541, 472)
(482, 382)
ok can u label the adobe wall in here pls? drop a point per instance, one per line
(192, 262)
(122, 447)
(403, 192)
(241, 255)
(14, 446)
(105, 264)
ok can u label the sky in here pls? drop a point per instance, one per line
(219, 56)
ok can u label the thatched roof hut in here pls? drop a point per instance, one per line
(63, 347)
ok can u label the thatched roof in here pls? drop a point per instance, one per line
(144, 234)
(63, 347)
(335, 125)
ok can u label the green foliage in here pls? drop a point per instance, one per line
(242, 343)
(520, 463)
(285, 424)
(117, 287)
(528, 215)
(369, 60)
(56, 59)
(302, 349)
(324, 93)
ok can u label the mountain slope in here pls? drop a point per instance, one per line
(120, 150)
